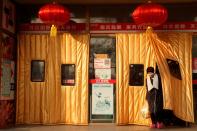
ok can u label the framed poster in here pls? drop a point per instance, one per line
(194, 65)
(136, 75)
(68, 74)
(8, 16)
(37, 70)
(5, 78)
(174, 68)
(102, 99)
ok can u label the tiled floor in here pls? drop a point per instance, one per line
(96, 127)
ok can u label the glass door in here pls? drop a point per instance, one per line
(102, 75)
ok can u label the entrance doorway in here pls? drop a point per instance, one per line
(102, 76)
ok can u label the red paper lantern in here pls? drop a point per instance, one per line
(150, 15)
(54, 14)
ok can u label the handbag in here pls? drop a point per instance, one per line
(145, 110)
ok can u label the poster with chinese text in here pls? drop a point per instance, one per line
(5, 78)
(102, 99)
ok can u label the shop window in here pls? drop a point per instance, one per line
(68, 74)
(37, 70)
(174, 68)
(136, 75)
(102, 45)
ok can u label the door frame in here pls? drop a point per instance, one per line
(91, 120)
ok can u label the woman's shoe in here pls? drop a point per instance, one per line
(160, 125)
(153, 126)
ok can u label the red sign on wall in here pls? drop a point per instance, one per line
(102, 81)
(110, 27)
(47, 27)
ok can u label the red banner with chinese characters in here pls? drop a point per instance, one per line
(110, 27)
(47, 27)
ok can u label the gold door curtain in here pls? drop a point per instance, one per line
(149, 49)
(49, 102)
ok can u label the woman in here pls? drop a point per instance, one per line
(154, 97)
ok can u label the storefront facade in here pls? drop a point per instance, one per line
(95, 72)
(109, 63)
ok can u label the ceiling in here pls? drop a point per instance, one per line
(100, 1)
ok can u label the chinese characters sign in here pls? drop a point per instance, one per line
(111, 27)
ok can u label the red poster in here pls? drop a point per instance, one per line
(8, 47)
(194, 65)
(8, 16)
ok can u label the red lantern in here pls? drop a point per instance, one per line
(150, 15)
(54, 14)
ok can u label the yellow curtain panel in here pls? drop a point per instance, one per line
(179, 95)
(49, 102)
(130, 49)
(149, 49)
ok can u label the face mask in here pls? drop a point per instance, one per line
(150, 74)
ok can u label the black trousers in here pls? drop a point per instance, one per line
(156, 117)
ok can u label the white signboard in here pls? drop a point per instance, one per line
(5, 78)
(102, 73)
(102, 99)
(102, 63)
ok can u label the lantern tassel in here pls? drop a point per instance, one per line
(53, 31)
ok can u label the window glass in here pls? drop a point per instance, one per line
(106, 46)
(102, 69)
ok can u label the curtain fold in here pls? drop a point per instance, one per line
(49, 102)
(77, 98)
(182, 94)
(130, 49)
(149, 49)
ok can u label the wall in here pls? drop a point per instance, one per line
(7, 64)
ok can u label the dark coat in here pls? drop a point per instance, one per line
(155, 98)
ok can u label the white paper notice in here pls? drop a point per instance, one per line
(102, 63)
(102, 99)
(102, 73)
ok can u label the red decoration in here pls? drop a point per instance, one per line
(150, 15)
(54, 14)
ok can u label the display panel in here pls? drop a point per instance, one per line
(174, 68)
(68, 74)
(37, 70)
(136, 75)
